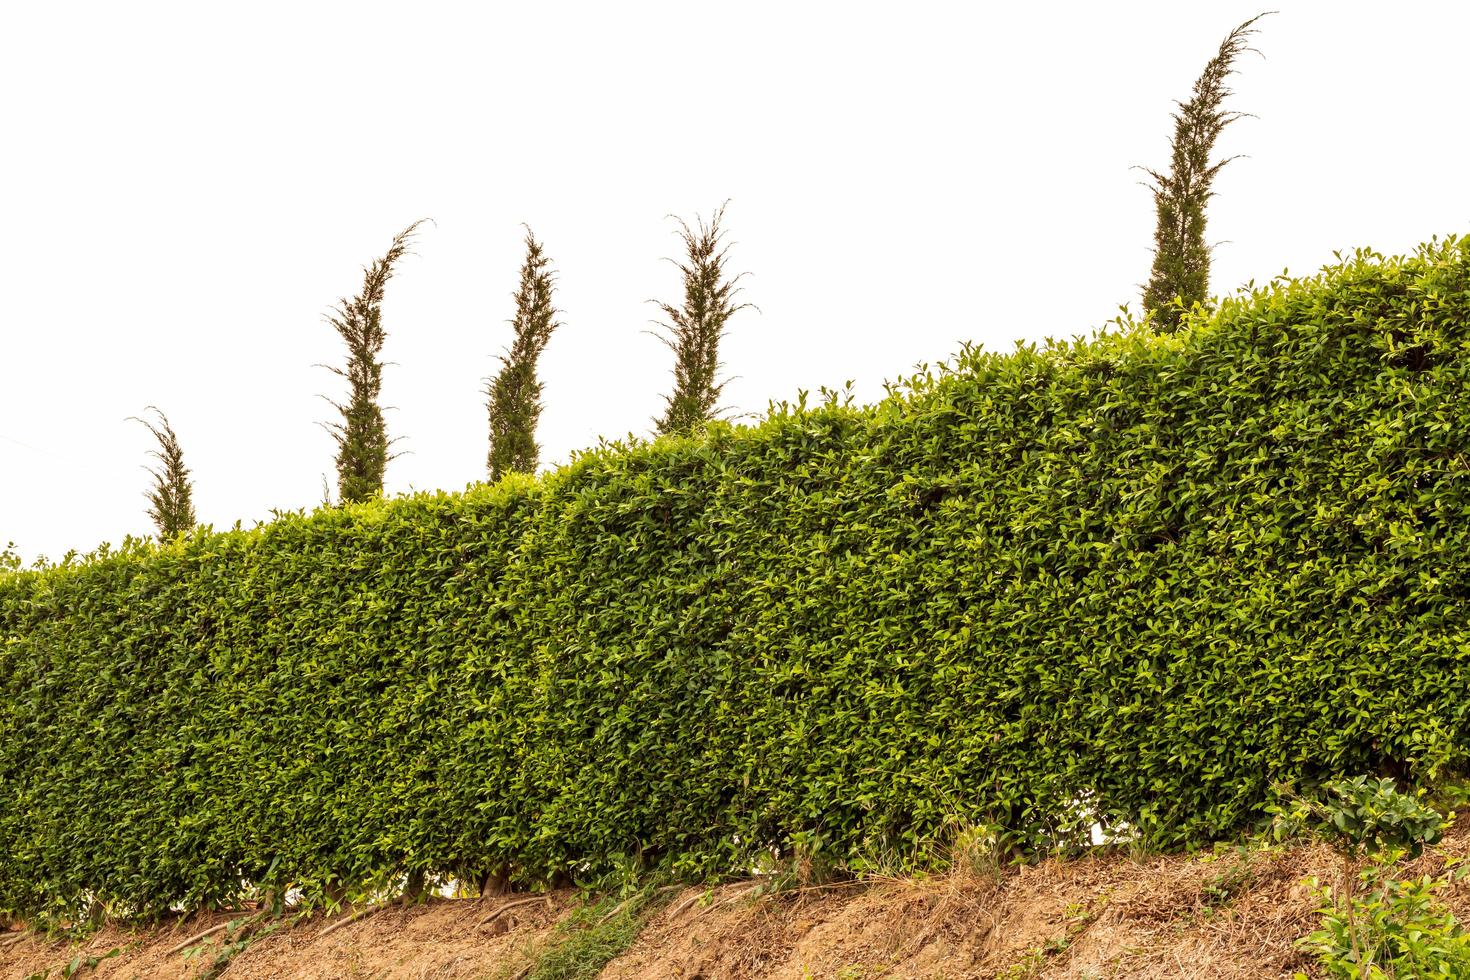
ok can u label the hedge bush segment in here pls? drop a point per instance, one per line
(1134, 580)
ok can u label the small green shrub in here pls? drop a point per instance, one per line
(1392, 929)
(1375, 926)
(1363, 815)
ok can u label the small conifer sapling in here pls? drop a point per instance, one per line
(171, 498)
(515, 393)
(694, 329)
(362, 434)
(1181, 266)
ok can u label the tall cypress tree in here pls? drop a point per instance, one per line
(515, 393)
(693, 331)
(362, 435)
(1181, 267)
(171, 498)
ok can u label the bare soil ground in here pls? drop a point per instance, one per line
(1235, 914)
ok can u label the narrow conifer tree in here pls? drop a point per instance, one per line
(171, 498)
(515, 393)
(1181, 267)
(362, 435)
(693, 331)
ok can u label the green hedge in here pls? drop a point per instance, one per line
(1134, 579)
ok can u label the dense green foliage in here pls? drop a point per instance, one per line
(171, 498)
(1180, 277)
(1375, 926)
(362, 434)
(1390, 929)
(694, 329)
(1362, 815)
(515, 394)
(1136, 579)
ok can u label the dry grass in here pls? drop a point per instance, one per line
(1230, 915)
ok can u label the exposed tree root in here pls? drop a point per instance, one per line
(354, 917)
(510, 905)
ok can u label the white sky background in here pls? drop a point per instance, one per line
(186, 189)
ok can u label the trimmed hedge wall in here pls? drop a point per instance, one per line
(1133, 579)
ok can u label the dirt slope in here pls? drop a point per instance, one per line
(1225, 916)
